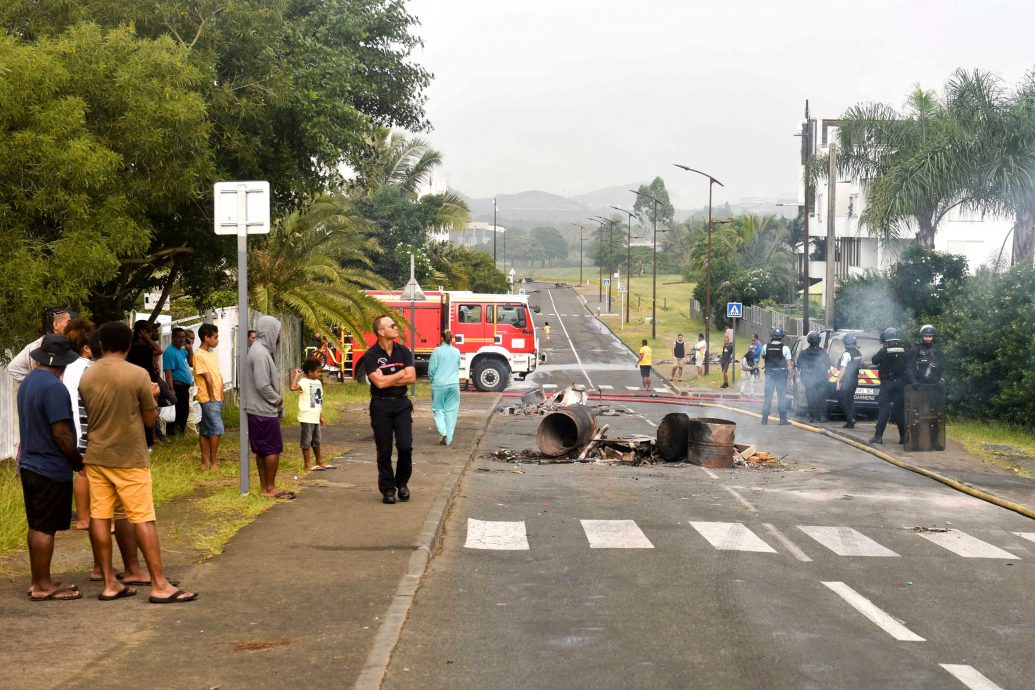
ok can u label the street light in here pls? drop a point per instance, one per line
(600, 260)
(803, 209)
(610, 251)
(708, 285)
(581, 229)
(654, 272)
(628, 258)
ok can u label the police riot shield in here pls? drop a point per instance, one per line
(925, 417)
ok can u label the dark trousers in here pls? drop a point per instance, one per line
(890, 407)
(816, 394)
(182, 391)
(775, 381)
(846, 398)
(392, 417)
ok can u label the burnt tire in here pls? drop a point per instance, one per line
(491, 376)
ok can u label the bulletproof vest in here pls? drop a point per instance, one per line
(894, 365)
(854, 364)
(774, 359)
(927, 365)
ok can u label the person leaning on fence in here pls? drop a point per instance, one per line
(444, 374)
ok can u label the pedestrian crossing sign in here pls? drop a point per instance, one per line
(734, 310)
(607, 282)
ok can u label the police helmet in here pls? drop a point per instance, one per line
(776, 334)
(890, 334)
(849, 340)
(928, 330)
(813, 338)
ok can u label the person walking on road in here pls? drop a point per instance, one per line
(645, 364)
(47, 457)
(678, 357)
(546, 331)
(848, 379)
(389, 366)
(890, 361)
(726, 359)
(700, 350)
(814, 364)
(778, 365)
(264, 405)
(444, 374)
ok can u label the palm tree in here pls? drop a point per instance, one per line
(913, 162)
(396, 160)
(315, 264)
(1001, 146)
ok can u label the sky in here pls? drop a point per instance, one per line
(568, 96)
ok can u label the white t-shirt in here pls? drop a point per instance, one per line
(699, 350)
(21, 365)
(73, 373)
(310, 400)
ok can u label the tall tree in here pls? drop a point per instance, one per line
(645, 208)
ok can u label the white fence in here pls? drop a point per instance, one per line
(760, 319)
(288, 356)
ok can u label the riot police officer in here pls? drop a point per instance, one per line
(927, 363)
(777, 358)
(848, 379)
(891, 363)
(814, 364)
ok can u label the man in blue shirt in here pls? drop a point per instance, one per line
(179, 377)
(46, 459)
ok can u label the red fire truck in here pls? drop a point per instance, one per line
(494, 333)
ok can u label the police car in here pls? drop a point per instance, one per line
(833, 342)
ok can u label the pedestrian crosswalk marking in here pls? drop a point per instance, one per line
(963, 544)
(1030, 536)
(615, 534)
(632, 388)
(970, 676)
(731, 536)
(549, 385)
(496, 535)
(867, 608)
(845, 541)
(605, 387)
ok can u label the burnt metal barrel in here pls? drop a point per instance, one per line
(673, 437)
(710, 442)
(565, 430)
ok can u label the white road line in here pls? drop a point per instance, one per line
(962, 544)
(571, 344)
(710, 473)
(787, 543)
(970, 676)
(1030, 536)
(615, 534)
(731, 536)
(649, 422)
(845, 541)
(496, 535)
(663, 389)
(740, 499)
(605, 387)
(866, 607)
(549, 385)
(633, 388)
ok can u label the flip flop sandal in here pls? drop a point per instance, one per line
(54, 596)
(121, 594)
(285, 495)
(329, 467)
(173, 598)
(318, 469)
(147, 583)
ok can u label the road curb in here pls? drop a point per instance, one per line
(376, 665)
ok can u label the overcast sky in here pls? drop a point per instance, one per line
(568, 96)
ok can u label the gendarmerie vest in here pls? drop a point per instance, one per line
(774, 359)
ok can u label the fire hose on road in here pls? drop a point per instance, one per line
(931, 474)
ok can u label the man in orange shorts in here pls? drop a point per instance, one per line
(120, 401)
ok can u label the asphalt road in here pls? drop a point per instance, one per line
(811, 575)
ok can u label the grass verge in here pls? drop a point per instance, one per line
(998, 444)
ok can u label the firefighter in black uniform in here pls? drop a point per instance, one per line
(891, 363)
(848, 379)
(814, 364)
(927, 364)
(777, 358)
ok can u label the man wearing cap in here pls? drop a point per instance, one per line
(46, 459)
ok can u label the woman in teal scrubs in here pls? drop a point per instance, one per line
(444, 373)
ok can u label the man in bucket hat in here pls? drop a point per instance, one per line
(46, 459)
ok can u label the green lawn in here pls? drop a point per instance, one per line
(673, 309)
(998, 444)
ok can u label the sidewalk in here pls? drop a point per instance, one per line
(299, 598)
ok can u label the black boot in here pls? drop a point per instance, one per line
(784, 421)
(765, 420)
(876, 439)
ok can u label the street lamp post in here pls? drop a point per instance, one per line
(628, 258)
(581, 229)
(610, 252)
(600, 260)
(654, 271)
(708, 284)
(494, 231)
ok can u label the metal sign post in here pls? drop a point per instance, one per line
(735, 311)
(413, 292)
(242, 209)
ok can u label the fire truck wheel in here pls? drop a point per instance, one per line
(361, 376)
(491, 375)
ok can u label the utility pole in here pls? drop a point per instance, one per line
(831, 209)
(600, 258)
(581, 228)
(628, 256)
(493, 231)
(806, 143)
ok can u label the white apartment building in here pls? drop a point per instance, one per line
(979, 239)
(472, 234)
